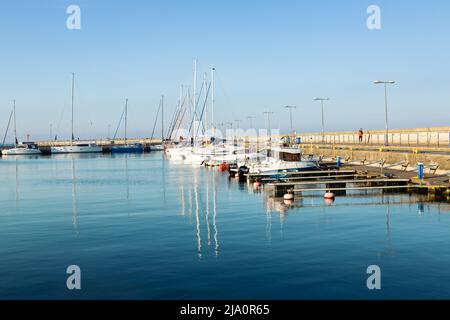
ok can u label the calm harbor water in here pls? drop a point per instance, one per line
(141, 227)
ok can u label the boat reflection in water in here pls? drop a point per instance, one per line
(74, 197)
(198, 186)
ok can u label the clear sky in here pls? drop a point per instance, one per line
(268, 54)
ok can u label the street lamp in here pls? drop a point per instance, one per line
(290, 114)
(323, 122)
(386, 136)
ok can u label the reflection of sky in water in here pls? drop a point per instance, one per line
(141, 227)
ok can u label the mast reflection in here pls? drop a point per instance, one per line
(74, 198)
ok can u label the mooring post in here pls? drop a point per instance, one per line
(420, 171)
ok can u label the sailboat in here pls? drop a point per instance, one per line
(159, 147)
(27, 148)
(130, 148)
(76, 147)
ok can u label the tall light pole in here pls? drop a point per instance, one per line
(386, 136)
(323, 121)
(290, 115)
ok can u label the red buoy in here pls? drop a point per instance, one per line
(223, 167)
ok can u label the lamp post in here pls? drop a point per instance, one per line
(386, 136)
(290, 115)
(323, 121)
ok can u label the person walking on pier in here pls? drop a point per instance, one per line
(360, 135)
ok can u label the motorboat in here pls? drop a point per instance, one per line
(283, 160)
(77, 148)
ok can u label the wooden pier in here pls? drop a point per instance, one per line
(353, 178)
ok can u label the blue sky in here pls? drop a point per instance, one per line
(267, 54)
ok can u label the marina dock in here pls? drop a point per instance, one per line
(359, 178)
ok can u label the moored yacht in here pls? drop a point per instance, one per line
(22, 149)
(283, 160)
(127, 148)
(76, 147)
(26, 148)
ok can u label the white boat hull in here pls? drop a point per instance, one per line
(76, 149)
(157, 148)
(283, 167)
(21, 152)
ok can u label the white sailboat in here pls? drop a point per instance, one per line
(22, 148)
(76, 147)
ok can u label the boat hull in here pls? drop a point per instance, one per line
(127, 149)
(284, 168)
(20, 152)
(157, 148)
(76, 149)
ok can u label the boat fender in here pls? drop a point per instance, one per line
(329, 195)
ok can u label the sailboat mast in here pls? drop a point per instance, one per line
(73, 89)
(212, 100)
(195, 91)
(205, 84)
(126, 119)
(15, 125)
(162, 118)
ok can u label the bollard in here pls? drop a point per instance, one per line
(420, 171)
(338, 161)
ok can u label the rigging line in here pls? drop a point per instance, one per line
(156, 120)
(118, 126)
(173, 122)
(174, 118)
(7, 127)
(195, 111)
(180, 122)
(203, 110)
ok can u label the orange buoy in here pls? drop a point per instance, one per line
(223, 167)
